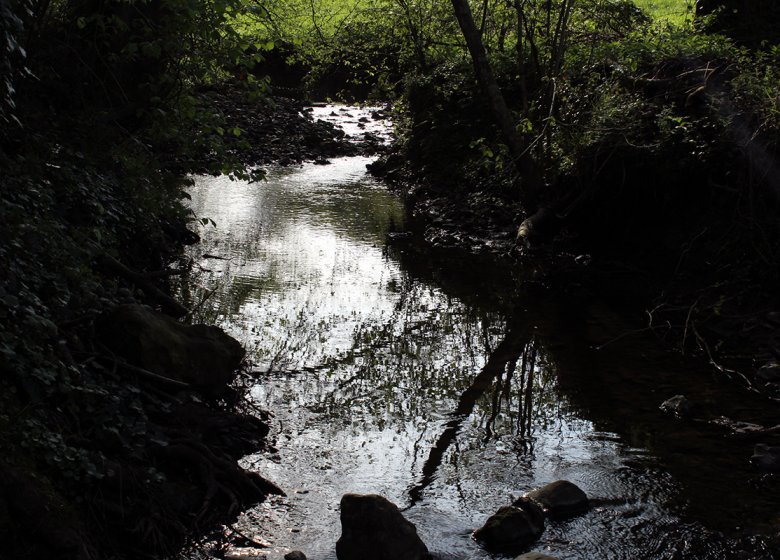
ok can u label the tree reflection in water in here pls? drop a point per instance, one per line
(498, 371)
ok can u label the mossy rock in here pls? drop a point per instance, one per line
(203, 356)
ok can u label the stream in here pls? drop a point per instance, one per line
(448, 385)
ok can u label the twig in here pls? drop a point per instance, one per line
(151, 375)
(203, 300)
(687, 322)
(706, 348)
(253, 542)
(623, 335)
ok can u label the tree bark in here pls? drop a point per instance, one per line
(531, 179)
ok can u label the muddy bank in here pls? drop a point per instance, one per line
(139, 453)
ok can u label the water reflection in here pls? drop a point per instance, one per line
(495, 379)
(436, 382)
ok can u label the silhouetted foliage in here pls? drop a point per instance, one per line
(750, 22)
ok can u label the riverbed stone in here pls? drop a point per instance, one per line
(373, 527)
(535, 556)
(512, 527)
(738, 427)
(769, 372)
(560, 499)
(678, 405)
(766, 457)
(295, 555)
(203, 356)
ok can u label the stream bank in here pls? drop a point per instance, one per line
(110, 449)
(660, 201)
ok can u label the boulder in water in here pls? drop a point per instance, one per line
(373, 527)
(512, 527)
(560, 499)
(678, 405)
(535, 556)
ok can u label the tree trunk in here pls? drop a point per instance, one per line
(531, 180)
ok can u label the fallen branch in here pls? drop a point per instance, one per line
(150, 374)
(253, 542)
(728, 371)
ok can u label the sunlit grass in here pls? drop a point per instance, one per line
(673, 11)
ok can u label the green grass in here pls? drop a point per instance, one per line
(673, 11)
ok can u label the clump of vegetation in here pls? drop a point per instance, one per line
(100, 111)
(654, 143)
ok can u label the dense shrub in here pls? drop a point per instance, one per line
(750, 22)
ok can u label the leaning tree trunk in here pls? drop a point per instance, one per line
(531, 179)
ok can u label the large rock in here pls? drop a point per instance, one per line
(678, 406)
(512, 527)
(373, 527)
(560, 499)
(200, 355)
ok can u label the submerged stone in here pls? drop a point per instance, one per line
(512, 527)
(373, 527)
(535, 556)
(769, 372)
(559, 499)
(295, 555)
(738, 427)
(766, 457)
(678, 405)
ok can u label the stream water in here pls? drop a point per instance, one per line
(441, 382)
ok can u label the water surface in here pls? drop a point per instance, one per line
(444, 383)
